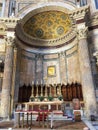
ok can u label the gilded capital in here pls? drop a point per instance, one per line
(82, 32)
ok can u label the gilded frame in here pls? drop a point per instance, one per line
(51, 71)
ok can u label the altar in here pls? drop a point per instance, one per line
(44, 118)
(45, 112)
(35, 106)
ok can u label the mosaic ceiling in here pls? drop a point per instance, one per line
(48, 25)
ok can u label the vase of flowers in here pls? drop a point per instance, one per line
(41, 98)
(32, 99)
(50, 98)
(60, 98)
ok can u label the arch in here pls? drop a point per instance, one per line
(62, 4)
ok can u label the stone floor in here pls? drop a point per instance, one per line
(57, 125)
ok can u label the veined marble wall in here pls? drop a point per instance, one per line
(27, 68)
(73, 70)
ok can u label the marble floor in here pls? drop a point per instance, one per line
(58, 125)
(7, 125)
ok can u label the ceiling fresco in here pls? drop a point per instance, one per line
(48, 25)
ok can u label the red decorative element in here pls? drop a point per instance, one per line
(42, 115)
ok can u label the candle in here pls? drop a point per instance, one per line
(32, 82)
(36, 82)
(41, 81)
(49, 106)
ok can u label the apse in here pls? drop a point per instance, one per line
(48, 25)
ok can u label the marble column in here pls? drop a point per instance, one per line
(17, 75)
(7, 79)
(86, 73)
(13, 79)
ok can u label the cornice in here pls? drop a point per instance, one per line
(9, 22)
(7, 27)
(3, 28)
(80, 13)
(49, 50)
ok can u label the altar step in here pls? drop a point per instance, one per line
(35, 115)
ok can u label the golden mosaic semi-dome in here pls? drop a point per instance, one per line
(48, 25)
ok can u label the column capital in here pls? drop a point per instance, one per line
(10, 41)
(82, 31)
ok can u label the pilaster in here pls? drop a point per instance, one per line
(62, 64)
(39, 69)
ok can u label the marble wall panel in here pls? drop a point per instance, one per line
(63, 72)
(27, 71)
(73, 69)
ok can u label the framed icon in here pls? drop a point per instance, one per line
(51, 71)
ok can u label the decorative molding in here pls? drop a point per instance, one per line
(48, 50)
(80, 13)
(9, 22)
(3, 28)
